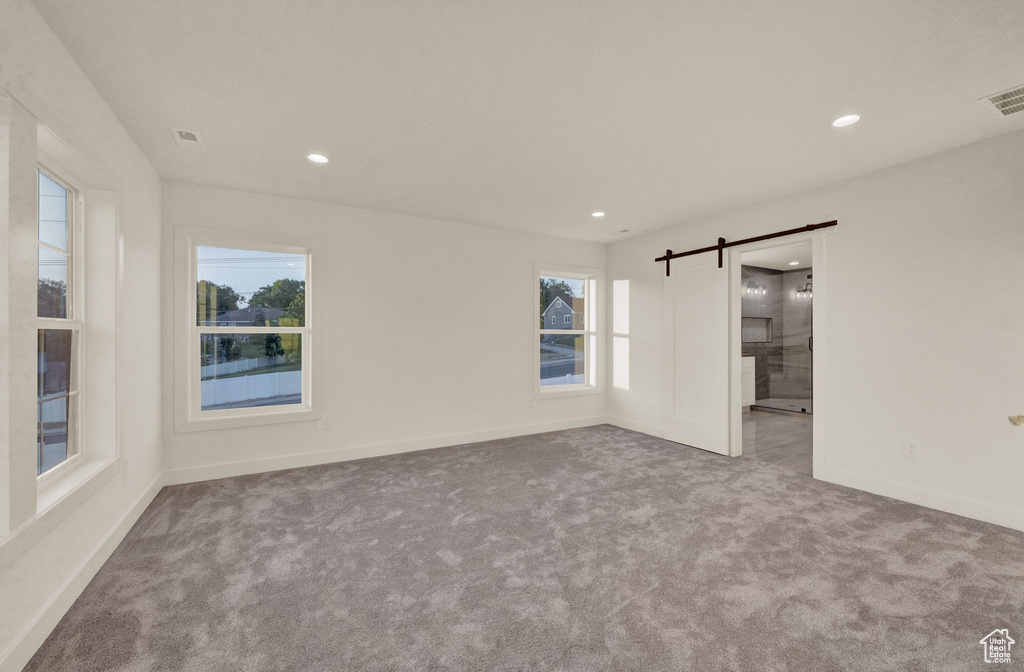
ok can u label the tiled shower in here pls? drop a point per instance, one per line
(777, 308)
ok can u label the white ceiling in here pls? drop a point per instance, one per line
(531, 114)
(778, 258)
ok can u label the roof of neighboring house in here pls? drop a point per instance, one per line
(246, 315)
(567, 301)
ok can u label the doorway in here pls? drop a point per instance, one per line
(774, 297)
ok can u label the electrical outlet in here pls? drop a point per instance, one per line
(325, 422)
(912, 448)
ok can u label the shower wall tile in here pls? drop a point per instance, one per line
(768, 357)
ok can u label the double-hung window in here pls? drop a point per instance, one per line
(249, 338)
(566, 353)
(59, 327)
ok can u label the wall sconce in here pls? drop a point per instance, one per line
(805, 293)
(755, 290)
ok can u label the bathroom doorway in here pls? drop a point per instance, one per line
(776, 300)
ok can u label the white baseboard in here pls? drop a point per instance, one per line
(33, 636)
(933, 499)
(635, 426)
(229, 469)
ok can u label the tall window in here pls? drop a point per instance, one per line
(250, 333)
(566, 356)
(59, 328)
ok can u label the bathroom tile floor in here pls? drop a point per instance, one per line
(782, 440)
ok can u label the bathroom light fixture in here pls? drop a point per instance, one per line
(794, 263)
(597, 214)
(756, 290)
(317, 158)
(846, 120)
(805, 293)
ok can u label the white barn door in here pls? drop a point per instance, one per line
(695, 321)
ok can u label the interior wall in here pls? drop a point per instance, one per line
(428, 333)
(47, 558)
(922, 324)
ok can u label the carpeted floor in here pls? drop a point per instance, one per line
(588, 549)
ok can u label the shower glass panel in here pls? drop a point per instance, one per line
(777, 310)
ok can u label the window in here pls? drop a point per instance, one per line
(566, 353)
(251, 354)
(58, 328)
(620, 334)
(245, 340)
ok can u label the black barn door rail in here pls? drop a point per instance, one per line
(670, 255)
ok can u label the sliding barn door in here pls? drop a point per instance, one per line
(696, 353)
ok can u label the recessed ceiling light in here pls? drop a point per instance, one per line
(794, 263)
(317, 158)
(846, 121)
(597, 214)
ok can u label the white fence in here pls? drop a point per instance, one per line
(51, 413)
(224, 391)
(237, 366)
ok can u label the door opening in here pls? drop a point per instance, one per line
(775, 300)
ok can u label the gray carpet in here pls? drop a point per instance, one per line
(588, 549)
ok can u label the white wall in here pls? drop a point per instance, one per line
(923, 321)
(48, 556)
(428, 333)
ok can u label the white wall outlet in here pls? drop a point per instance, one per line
(912, 448)
(325, 422)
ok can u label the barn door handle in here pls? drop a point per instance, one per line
(810, 343)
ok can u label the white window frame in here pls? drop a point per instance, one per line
(590, 330)
(189, 415)
(568, 319)
(73, 322)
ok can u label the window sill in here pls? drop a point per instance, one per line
(554, 392)
(76, 484)
(56, 499)
(260, 417)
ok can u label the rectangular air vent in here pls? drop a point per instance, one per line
(1007, 102)
(188, 139)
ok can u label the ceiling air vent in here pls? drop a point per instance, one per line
(1007, 102)
(188, 139)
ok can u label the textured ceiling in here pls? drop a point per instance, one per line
(530, 115)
